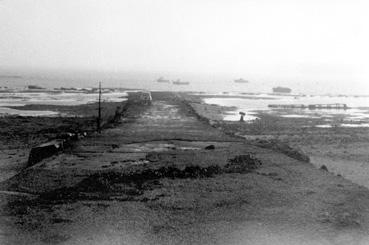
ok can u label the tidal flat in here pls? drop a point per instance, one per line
(337, 140)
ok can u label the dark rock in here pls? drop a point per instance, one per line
(210, 147)
(323, 167)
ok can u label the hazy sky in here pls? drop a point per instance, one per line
(305, 40)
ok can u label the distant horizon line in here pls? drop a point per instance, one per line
(312, 87)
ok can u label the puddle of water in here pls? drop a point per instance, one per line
(7, 111)
(347, 125)
(297, 116)
(236, 117)
(324, 126)
(250, 105)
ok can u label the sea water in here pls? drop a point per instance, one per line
(258, 90)
(19, 99)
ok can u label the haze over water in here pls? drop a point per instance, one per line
(212, 83)
(311, 46)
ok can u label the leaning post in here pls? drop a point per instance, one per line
(99, 111)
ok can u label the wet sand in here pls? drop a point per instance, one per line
(343, 150)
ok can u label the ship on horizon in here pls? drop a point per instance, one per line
(162, 80)
(241, 80)
(282, 90)
(179, 82)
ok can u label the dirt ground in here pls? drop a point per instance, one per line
(164, 175)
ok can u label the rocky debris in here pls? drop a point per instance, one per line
(128, 184)
(210, 147)
(132, 182)
(284, 148)
(242, 164)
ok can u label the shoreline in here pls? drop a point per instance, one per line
(341, 149)
(166, 173)
(306, 139)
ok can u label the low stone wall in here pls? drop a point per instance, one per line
(45, 150)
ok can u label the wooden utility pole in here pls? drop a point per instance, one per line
(99, 112)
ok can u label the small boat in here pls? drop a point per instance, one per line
(179, 82)
(162, 80)
(241, 80)
(34, 87)
(282, 90)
